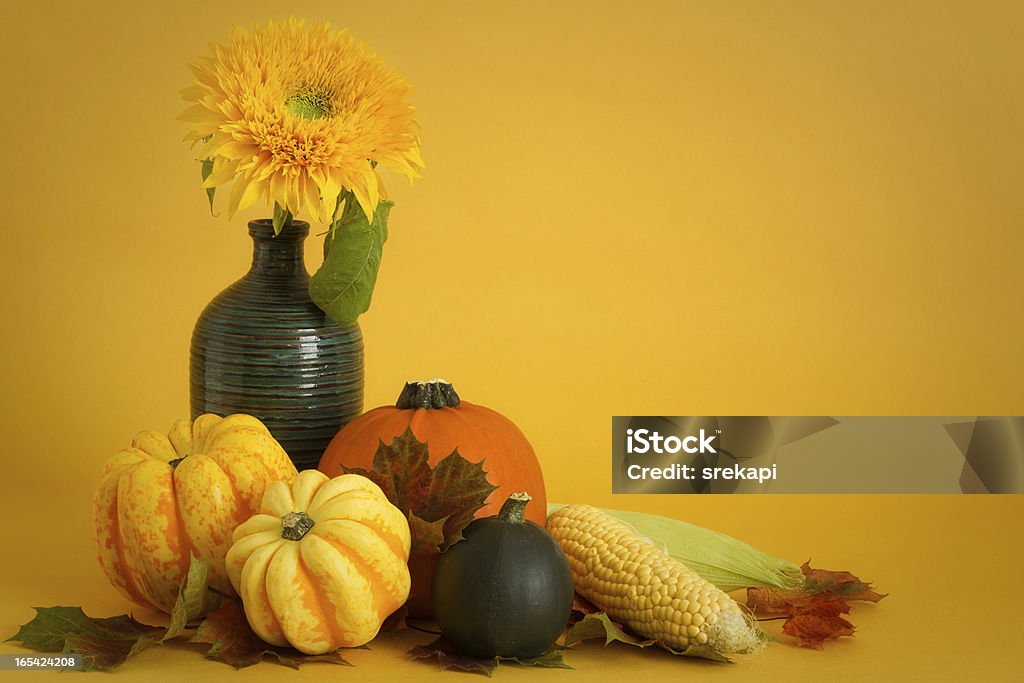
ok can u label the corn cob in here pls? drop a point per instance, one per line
(727, 562)
(639, 585)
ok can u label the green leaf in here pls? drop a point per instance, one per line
(207, 169)
(194, 600)
(282, 217)
(448, 658)
(232, 641)
(104, 644)
(552, 659)
(599, 625)
(343, 285)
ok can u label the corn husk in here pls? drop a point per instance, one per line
(728, 563)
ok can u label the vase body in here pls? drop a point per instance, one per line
(262, 347)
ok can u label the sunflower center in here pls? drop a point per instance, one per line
(309, 105)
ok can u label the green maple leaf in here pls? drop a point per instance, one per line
(105, 644)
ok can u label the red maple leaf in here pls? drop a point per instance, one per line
(812, 611)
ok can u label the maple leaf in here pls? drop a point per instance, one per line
(448, 658)
(232, 641)
(427, 537)
(812, 631)
(812, 611)
(104, 644)
(598, 625)
(840, 584)
(438, 501)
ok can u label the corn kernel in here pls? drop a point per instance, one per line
(636, 583)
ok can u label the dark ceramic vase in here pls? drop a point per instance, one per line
(262, 347)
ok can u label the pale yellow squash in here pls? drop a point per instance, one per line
(323, 564)
(169, 496)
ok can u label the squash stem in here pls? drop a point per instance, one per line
(434, 393)
(295, 525)
(177, 461)
(514, 509)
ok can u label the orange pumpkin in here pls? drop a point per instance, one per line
(437, 416)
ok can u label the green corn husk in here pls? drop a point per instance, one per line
(728, 563)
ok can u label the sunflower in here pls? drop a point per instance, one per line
(299, 117)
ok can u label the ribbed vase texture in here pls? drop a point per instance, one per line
(262, 347)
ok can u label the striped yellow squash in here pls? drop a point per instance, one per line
(184, 492)
(323, 564)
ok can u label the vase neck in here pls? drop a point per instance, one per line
(280, 256)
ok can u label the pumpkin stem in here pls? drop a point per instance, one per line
(295, 525)
(177, 461)
(514, 509)
(434, 393)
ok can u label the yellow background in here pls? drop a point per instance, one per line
(629, 208)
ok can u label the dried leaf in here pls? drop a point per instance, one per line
(396, 621)
(448, 658)
(427, 537)
(591, 624)
(233, 641)
(194, 600)
(443, 498)
(104, 644)
(812, 611)
(600, 625)
(812, 631)
(840, 584)
(457, 490)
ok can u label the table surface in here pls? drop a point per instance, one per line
(949, 564)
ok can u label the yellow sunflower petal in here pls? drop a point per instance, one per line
(363, 197)
(243, 193)
(300, 111)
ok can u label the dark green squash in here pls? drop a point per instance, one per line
(506, 590)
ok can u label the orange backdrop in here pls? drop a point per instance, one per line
(637, 208)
